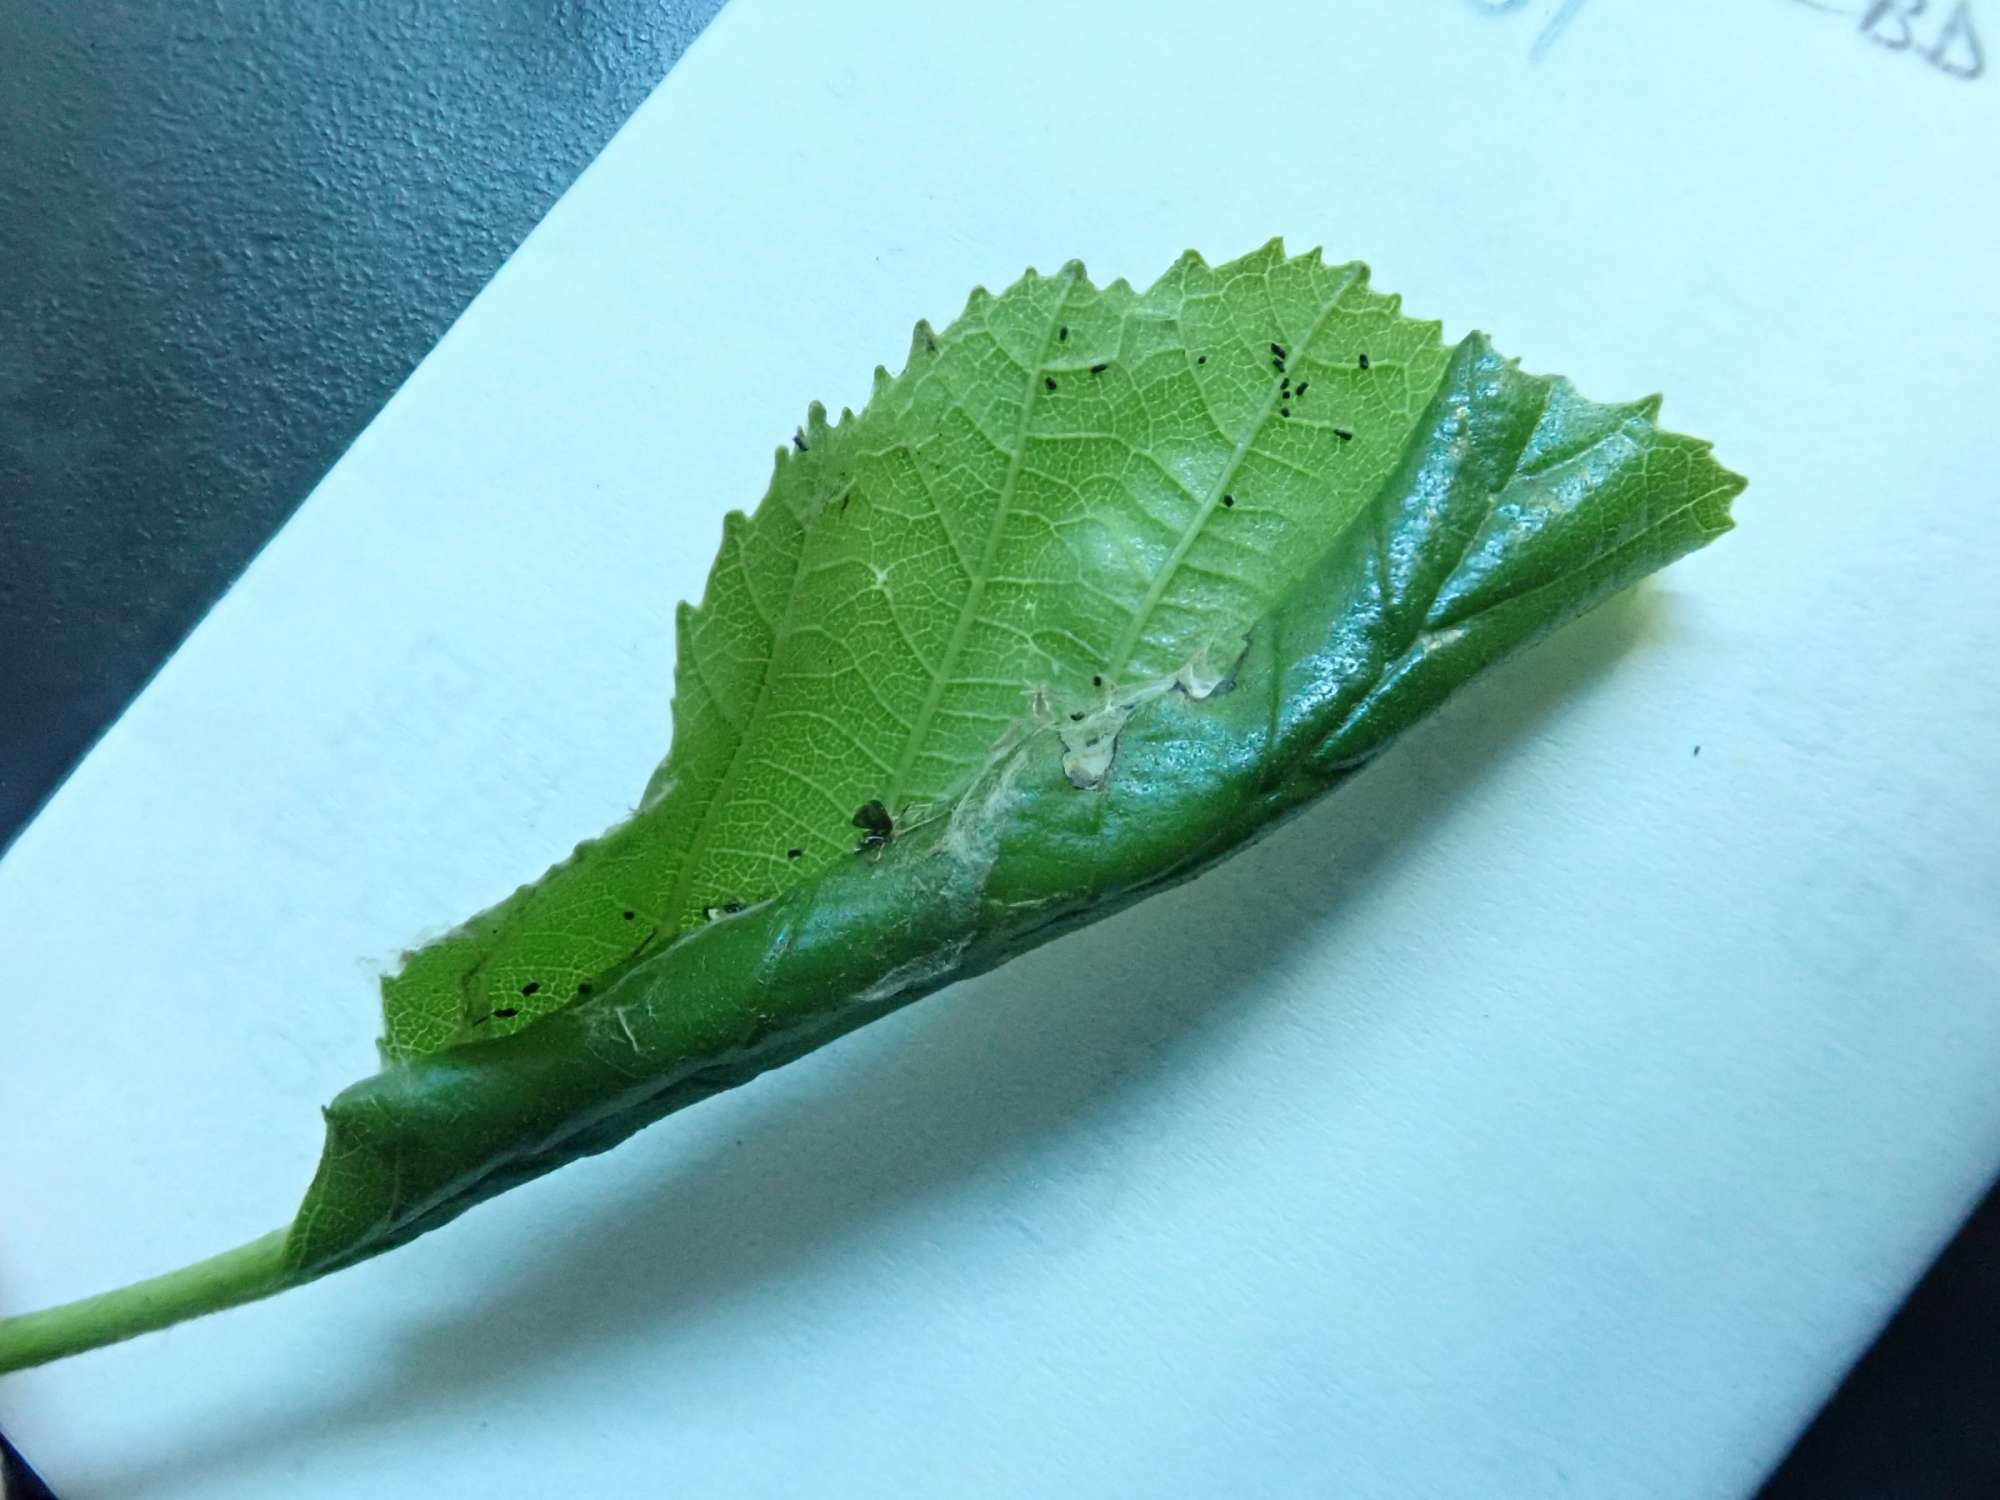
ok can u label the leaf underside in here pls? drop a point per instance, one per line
(1095, 590)
(1068, 483)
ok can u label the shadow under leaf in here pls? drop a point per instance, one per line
(986, 1078)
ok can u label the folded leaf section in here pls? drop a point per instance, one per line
(1510, 507)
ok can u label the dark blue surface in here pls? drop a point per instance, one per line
(17, 1480)
(227, 232)
(1919, 1416)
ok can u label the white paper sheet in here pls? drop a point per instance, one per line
(1558, 1112)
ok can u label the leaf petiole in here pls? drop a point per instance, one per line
(245, 1274)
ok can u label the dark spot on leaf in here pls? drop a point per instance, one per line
(630, 915)
(1201, 359)
(1097, 679)
(877, 827)
(1062, 334)
(1284, 411)
(1364, 361)
(1097, 369)
(1277, 364)
(793, 853)
(799, 439)
(1343, 434)
(1279, 350)
(1076, 718)
(844, 499)
(584, 988)
(1228, 499)
(506, 1013)
(1302, 388)
(532, 987)
(1049, 382)
(482, 1020)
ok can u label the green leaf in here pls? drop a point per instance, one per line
(1099, 589)
(1141, 677)
(1068, 483)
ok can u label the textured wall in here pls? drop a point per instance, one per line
(227, 232)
